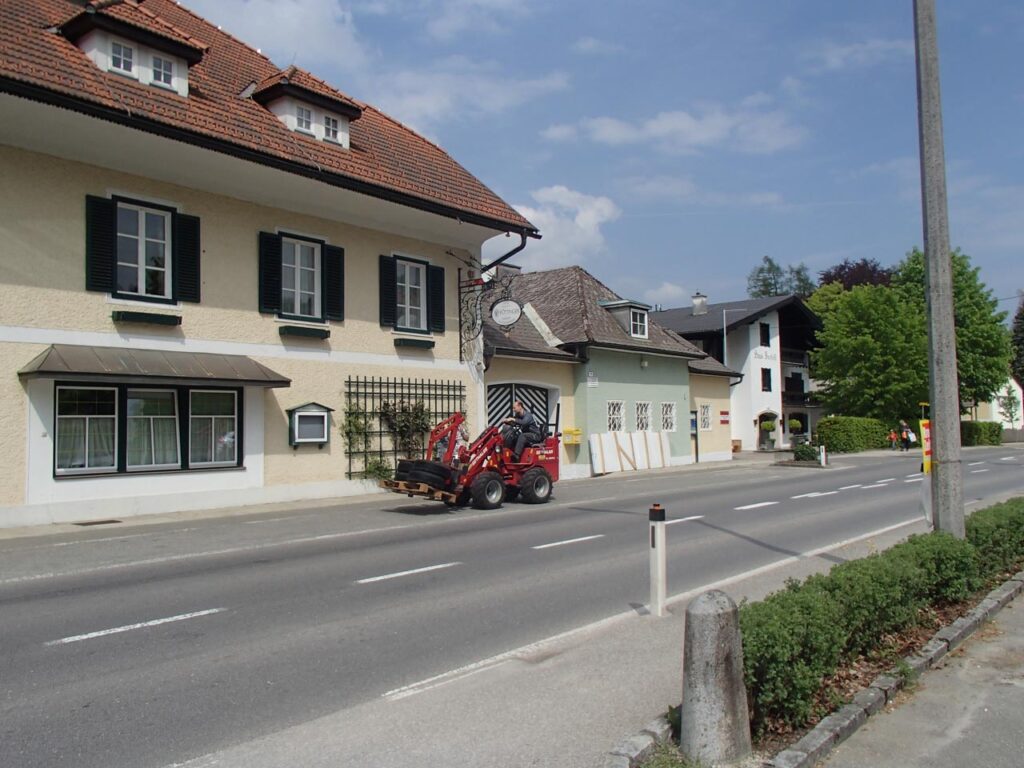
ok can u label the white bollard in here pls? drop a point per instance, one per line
(659, 562)
(822, 456)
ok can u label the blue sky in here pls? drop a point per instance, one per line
(667, 145)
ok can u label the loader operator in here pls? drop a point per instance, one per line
(529, 429)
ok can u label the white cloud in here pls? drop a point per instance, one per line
(314, 34)
(457, 87)
(560, 132)
(748, 127)
(591, 46)
(570, 223)
(793, 88)
(904, 171)
(833, 57)
(451, 18)
(682, 189)
(666, 294)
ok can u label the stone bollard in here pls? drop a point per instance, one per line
(714, 723)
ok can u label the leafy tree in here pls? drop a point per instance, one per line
(982, 341)
(822, 301)
(1009, 406)
(1017, 366)
(851, 273)
(770, 279)
(872, 359)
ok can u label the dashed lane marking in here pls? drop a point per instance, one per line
(398, 575)
(851, 487)
(568, 541)
(976, 471)
(756, 506)
(130, 627)
(684, 519)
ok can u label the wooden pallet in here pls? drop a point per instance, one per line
(417, 489)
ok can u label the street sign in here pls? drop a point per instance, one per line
(506, 312)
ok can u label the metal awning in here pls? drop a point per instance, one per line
(148, 366)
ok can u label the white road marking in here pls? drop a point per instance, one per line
(266, 520)
(826, 493)
(885, 480)
(684, 519)
(914, 480)
(849, 487)
(526, 651)
(755, 506)
(975, 463)
(1008, 458)
(130, 627)
(810, 495)
(568, 541)
(976, 471)
(869, 487)
(915, 474)
(398, 575)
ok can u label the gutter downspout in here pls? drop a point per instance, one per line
(507, 256)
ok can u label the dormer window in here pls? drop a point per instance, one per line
(638, 323)
(303, 119)
(330, 128)
(163, 71)
(121, 58)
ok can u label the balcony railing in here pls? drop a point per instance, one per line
(794, 357)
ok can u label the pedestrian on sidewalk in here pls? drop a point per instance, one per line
(894, 440)
(904, 436)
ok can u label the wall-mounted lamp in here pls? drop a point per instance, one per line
(643, 362)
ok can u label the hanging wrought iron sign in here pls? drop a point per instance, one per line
(506, 312)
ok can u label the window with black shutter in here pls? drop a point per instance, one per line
(412, 295)
(301, 278)
(142, 251)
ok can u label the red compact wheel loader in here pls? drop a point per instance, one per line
(482, 473)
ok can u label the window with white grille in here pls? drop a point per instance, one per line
(668, 417)
(705, 417)
(615, 416)
(643, 417)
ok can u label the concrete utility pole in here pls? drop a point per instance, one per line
(947, 473)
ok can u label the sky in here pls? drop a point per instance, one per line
(668, 145)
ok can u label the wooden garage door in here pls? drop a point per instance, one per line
(501, 396)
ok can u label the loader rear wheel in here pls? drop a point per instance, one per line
(535, 487)
(487, 490)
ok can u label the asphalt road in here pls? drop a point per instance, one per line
(151, 645)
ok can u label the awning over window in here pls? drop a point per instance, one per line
(112, 364)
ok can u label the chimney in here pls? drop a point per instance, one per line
(700, 304)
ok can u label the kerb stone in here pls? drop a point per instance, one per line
(871, 700)
(791, 758)
(817, 743)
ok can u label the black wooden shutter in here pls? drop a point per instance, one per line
(388, 283)
(435, 299)
(334, 282)
(187, 250)
(270, 272)
(100, 243)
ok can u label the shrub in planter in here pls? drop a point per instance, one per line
(849, 434)
(805, 452)
(790, 642)
(948, 566)
(997, 534)
(767, 426)
(981, 433)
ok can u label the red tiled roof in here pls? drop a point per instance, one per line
(385, 159)
(304, 81)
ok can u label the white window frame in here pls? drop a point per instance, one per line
(213, 452)
(318, 274)
(152, 447)
(668, 417)
(331, 129)
(132, 70)
(165, 69)
(403, 290)
(86, 470)
(303, 114)
(615, 410)
(322, 416)
(643, 416)
(705, 418)
(167, 269)
(638, 323)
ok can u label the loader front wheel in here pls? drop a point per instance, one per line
(487, 490)
(535, 487)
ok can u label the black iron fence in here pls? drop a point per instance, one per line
(389, 419)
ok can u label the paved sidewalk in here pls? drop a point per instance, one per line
(967, 711)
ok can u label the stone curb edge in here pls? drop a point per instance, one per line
(841, 724)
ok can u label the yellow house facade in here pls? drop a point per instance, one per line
(192, 317)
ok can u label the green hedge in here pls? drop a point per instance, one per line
(805, 452)
(981, 433)
(795, 638)
(849, 434)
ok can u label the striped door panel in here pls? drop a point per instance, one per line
(501, 396)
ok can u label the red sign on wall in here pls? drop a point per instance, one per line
(723, 417)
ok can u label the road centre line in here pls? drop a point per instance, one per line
(525, 652)
(915, 474)
(810, 495)
(975, 463)
(825, 493)
(869, 487)
(885, 480)
(914, 480)
(850, 487)
(755, 506)
(387, 576)
(568, 541)
(1008, 458)
(684, 519)
(130, 627)
(976, 471)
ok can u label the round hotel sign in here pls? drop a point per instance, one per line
(506, 312)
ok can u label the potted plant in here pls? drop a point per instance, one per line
(768, 434)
